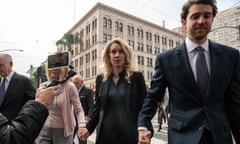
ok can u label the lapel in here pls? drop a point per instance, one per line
(11, 86)
(214, 63)
(183, 59)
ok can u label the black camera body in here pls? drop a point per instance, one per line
(52, 83)
(59, 60)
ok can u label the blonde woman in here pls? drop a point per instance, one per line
(119, 96)
(59, 126)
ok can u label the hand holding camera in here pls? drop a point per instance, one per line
(46, 96)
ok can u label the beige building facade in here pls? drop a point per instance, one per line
(101, 24)
(226, 27)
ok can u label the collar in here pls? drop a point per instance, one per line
(121, 74)
(9, 76)
(190, 45)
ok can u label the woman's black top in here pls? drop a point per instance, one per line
(117, 126)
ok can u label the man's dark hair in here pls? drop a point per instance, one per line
(189, 3)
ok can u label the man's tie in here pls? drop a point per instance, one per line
(202, 71)
(2, 90)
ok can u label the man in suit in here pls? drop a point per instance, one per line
(18, 89)
(86, 98)
(203, 79)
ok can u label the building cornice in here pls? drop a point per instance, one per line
(102, 6)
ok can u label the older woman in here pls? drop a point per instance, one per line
(59, 126)
(119, 96)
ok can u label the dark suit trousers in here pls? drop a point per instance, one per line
(206, 137)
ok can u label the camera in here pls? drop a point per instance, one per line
(60, 60)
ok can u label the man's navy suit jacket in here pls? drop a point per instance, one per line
(220, 107)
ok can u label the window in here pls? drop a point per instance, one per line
(140, 60)
(147, 36)
(128, 29)
(140, 46)
(141, 33)
(157, 50)
(95, 23)
(104, 37)
(81, 61)
(109, 25)
(131, 43)
(104, 22)
(138, 33)
(149, 75)
(87, 57)
(164, 40)
(109, 37)
(94, 54)
(149, 48)
(121, 27)
(94, 70)
(87, 72)
(116, 26)
(132, 30)
(170, 42)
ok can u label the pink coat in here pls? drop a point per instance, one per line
(61, 115)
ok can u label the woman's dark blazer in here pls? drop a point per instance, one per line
(136, 91)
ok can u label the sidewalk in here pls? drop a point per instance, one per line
(91, 140)
(159, 137)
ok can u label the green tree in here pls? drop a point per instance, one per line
(38, 75)
(34, 78)
(68, 40)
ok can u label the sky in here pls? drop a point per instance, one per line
(35, 25)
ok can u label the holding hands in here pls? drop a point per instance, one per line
(45, 96)
(83, 133)
(144, 137)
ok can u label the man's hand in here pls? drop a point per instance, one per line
(144, 137)
(83, 134)
(46, 96)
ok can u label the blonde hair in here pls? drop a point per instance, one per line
(128, 66)
(62, 75)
